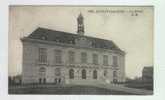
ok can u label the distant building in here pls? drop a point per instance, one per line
(147, 74)
(58, 57)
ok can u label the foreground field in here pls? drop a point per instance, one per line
(67, 89)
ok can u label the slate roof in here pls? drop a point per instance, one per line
(69, 38)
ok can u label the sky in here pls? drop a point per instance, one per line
(131, 28)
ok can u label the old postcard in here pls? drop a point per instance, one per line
(87, 50)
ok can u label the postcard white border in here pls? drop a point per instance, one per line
(159, 49)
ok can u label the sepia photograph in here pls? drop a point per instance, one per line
(80, 50)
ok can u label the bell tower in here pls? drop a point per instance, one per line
(80, 25)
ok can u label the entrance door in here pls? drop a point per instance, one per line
(114, 80)
(44, 80)
(57, 80)
(40, 80)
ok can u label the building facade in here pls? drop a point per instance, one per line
(58, 57)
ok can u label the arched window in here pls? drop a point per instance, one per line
(83, 74)
(94, 74)
(114, 73)
(71, 74)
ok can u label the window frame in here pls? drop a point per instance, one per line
(114, 74)
(58, 56)
(95, 59)
(71, 57)
(42, 55)
(71, 74)
(105, 60)
(115, 61)
(84, 57)
(57, 72)
(95, 74)
(84, 74)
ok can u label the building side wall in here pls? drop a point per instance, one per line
(29, 70)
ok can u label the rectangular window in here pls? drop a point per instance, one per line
(58, 56)
(105, 60)
(71, 56)
(42, 55)
(115, 61)
(84, 57)
(95, 59)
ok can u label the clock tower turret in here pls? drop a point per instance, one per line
(80, 25)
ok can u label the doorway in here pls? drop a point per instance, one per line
(57, 80)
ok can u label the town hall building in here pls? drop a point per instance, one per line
(58, 57)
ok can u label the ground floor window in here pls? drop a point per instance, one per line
(83, 74)
(94, 74)
(71, 74)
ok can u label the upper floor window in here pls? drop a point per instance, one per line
(84, 57)
(71, 56)
(58, 56)
(105, 60)
(42, 55)
(95, 59)
(115, 61)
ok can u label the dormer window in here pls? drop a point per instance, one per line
(43, 38)
(57, 40)
(71, 42)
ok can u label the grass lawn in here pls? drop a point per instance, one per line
(63, 90)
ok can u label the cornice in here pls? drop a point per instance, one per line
(25, 39)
